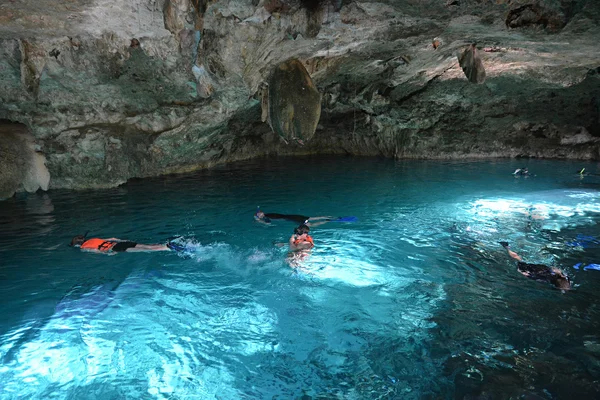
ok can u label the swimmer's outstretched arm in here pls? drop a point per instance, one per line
(313, 224)
(510, 252)
(514, 255)
(320, 218)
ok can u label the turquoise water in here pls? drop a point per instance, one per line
(415, 300)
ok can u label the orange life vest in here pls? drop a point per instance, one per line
(98, 244)
(308, 239)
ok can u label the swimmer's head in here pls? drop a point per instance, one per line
(259, 214)
(562, 283)
(77, 240)
(560, 279)
(301, 230)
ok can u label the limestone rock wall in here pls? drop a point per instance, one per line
(22, 166)
(117, 89)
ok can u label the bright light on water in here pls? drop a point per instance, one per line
(414, 300)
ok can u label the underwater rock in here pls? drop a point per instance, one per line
(471, 64)
(294, 103)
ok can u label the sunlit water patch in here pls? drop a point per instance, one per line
(416, 299)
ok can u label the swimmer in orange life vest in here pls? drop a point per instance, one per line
(114, 245)
(300, 244)
(301, 240)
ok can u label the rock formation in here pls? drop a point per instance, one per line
(471, 64)
(115, 89)
(293, 102)
(22, 167)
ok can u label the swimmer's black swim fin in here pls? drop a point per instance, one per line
(504, 244)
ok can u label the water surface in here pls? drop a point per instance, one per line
(415, 300)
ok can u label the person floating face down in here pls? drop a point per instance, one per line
(540, 272)
(114, 245)
(521, 172)
(265, 218)
(301, 240)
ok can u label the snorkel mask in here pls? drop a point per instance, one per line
(78, 240)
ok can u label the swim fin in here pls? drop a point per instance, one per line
(584, 241)
(175, 246)
(504, 244)
(587, 267)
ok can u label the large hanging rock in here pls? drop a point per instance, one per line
(200, 7)
(294, 103)
(22, 167)
(175, 14)
(471, 64)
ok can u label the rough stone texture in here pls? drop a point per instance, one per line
(103, 110)
(294, 104)
(471, 64)
(22, 168)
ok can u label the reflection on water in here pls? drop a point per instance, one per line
(414, 300)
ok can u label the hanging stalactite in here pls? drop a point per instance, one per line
(294, 103)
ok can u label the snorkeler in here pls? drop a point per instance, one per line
(301, 240)
(265, 218)
(300, 243)
(114, 245)
(521, 172)
(582, 172)
(539, 272)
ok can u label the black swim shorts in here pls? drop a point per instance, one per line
(123, 246)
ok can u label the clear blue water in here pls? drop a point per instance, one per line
(415, 300)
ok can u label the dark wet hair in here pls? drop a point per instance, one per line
(77, 240)
(562, 282)
(301, 230)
